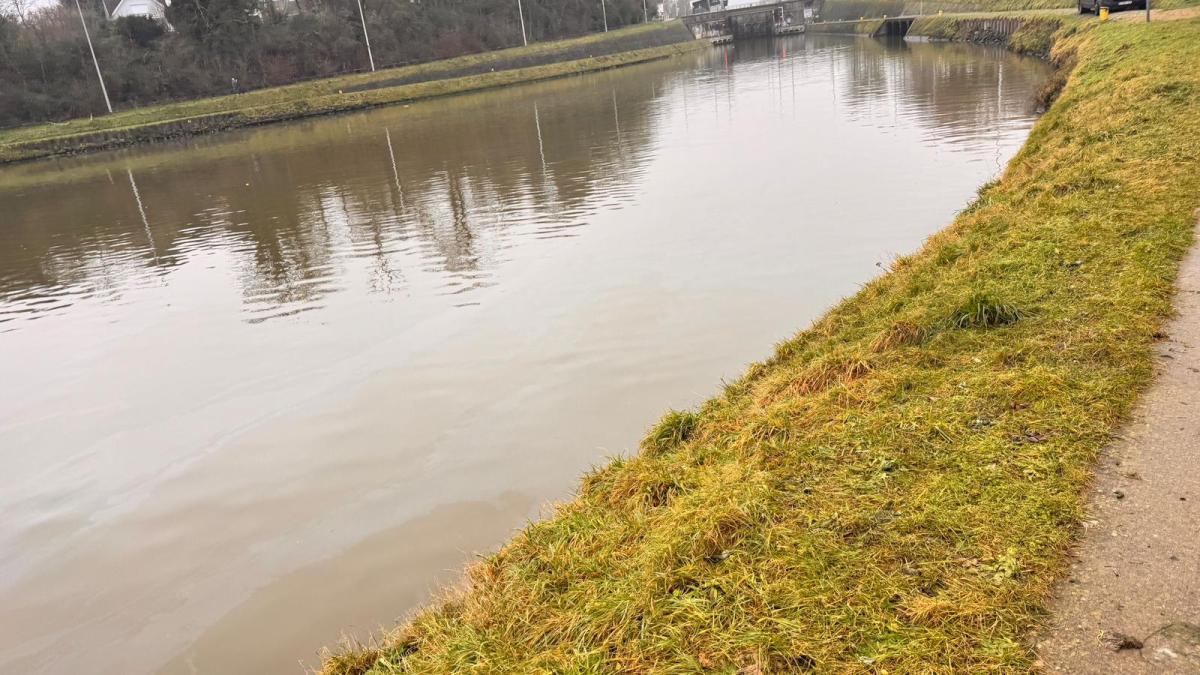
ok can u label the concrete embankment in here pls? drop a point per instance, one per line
(899, 487)
(541, 61)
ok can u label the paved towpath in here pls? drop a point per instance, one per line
(1132, 601)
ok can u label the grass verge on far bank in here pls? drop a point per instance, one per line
(897, 487)
(850, 10)
(1036, 35)
(538, 61)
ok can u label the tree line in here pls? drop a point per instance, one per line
(46, 71)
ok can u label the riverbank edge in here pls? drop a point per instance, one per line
(898, 487)
(1031, 33)
(367, 96)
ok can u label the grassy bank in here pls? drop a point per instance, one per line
(850, 10)
(352, 92)
(896, 488)
(856, 27)
(1035, 33)
(1031, 32)
(1036, 29)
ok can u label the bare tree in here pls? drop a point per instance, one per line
(18, 9)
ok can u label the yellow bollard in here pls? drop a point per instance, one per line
(1103, 14)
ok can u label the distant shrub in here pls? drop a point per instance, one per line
(984, 311)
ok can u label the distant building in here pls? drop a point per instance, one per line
(702, 6)
(151, 9)
(285, 7)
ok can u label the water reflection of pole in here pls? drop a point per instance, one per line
(999, 113)
(779, 75)
(1000, 91)
(384, 278)
(716, 106)
(137, 198)
(537, 121)
(616, 117)
(894, 89)
(792, 69)
(395, 172)
(728, 90)
(833, 80)
(683, 85)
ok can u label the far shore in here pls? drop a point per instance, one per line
(627, 46)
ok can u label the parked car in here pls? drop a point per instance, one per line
(1094, 6)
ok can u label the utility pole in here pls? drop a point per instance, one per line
(646, 13)
(521, 13)
(1147, 11)
(603, 12)
(366, 37)
(99, 76)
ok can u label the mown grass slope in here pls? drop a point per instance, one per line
(896, 488)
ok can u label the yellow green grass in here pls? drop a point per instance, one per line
(349, 92)
(897, 487)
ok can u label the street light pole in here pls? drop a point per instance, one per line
(521, 13)
(99, 76)
(603, 12)
(646, 12)
(363, 17)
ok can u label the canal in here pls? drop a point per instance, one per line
(261, 389)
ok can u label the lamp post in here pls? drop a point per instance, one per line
(363, 17)
(521, 13)
(99, 76)
(603, 12)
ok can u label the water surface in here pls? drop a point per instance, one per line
(261, 388)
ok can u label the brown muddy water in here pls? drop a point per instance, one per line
(261, 389)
